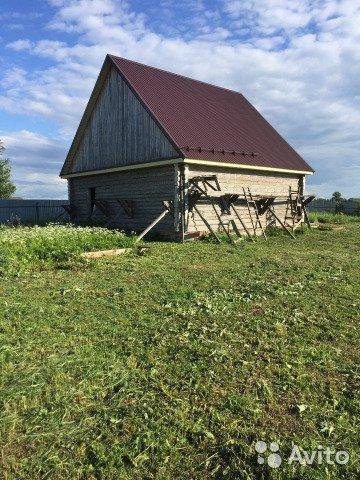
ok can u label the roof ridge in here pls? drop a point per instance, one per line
(176, 74)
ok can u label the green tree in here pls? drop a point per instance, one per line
(7, 188)
(337, 197)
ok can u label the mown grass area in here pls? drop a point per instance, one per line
(172, 364)
(23, 249)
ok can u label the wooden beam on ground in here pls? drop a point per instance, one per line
(106, 253)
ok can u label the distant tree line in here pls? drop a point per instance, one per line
(337, 203)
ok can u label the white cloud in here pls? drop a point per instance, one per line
(20, 45)
(270, 16)
(308, 90)
(35, 161)
(13, 78)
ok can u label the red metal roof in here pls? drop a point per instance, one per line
(209, 123)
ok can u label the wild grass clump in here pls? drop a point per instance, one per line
(54, 246)
(336, 218)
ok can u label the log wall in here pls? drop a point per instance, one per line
(232, 181)
(147, 188)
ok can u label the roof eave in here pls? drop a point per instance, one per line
(242, 166)
(189, 161)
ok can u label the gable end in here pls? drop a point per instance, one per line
(116, 129)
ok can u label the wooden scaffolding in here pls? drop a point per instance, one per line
(239, 214)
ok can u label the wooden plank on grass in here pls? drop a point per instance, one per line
(106, 253)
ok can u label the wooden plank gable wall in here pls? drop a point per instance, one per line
(120, 131)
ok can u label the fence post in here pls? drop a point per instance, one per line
(37, 213)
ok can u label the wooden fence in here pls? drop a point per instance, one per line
(32, 211)
(44, 211)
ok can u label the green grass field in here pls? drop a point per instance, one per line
(333, 218)
(174, 363)
(28, 249)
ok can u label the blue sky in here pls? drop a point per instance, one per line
(297, 61)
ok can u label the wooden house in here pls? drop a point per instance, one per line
(146, 132)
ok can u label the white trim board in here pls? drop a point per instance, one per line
(241, 166)
(188, 161)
